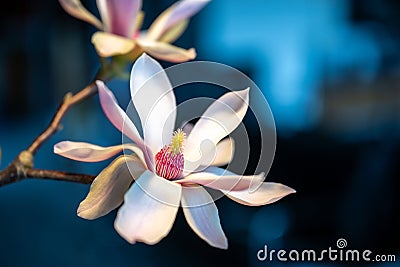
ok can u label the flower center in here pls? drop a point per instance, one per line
(169, 160)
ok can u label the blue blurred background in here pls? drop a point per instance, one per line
(330, 71)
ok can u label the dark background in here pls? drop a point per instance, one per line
(331, 73)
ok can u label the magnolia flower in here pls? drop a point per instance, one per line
(167, 174)
(119, 29)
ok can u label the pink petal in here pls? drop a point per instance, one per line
(202, 216)
(108, 44)
(77, 10)
(116, 115)
(218, 121)
(166, 51)
(221, 179)
(267, 193)
(149, 209)
(119, 16)
(108, 189)
(174, 32)
(154, 101)
(86, 152)
(121, 121)
(179, 11)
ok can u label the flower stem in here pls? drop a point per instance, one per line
(68, 101)
(14, 173)
(22, 166)
(60, 176)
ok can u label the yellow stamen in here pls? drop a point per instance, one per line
(176, 145)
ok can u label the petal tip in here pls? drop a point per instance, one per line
(224, 244)
(245, 91)
(147, 58)
(101, 87)
(130, 240)
(144, 61)
(221, 243)
(243, 94)
(57, 148)
(192, 53)
(61, 147)
(144, 56)
(288, 190)
(81, 212)
(99, 83)
(84, 212)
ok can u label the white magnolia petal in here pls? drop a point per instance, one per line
(116, 115)
(86, 152)
(108, 189)
(218, 121)
(76, 9)
(166, 51)
(103, 10)
(108, 44)
(202, 216)
(121, 121)
(222, 179)
(154, 100)
(137, 150)
(119, 16)
(222, 154)
(149, 209)
(267, 193)
(187, 128)
(179, 11)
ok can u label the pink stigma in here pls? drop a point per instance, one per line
(169, 164)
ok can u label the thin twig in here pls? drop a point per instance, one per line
(68, 101)
(13, 174)
(58, 175)
(9, 175)
(22, 166)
